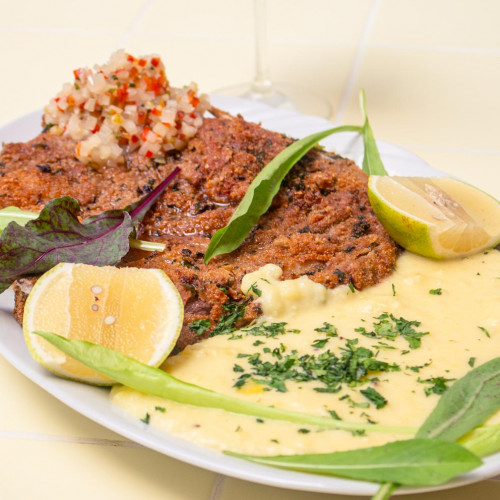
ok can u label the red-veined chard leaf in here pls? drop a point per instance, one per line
(22, 217)
(57, 235)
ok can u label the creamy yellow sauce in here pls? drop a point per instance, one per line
(462, 318)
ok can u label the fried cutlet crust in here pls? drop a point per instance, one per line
(320, 224)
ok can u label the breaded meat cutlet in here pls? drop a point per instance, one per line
(320, 224)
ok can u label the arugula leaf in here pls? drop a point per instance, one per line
(156, 382)
(372, 163)
(415, 462)
(261, 192)
(57, 235)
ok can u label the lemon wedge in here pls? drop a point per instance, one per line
(438, 217)
(138, 312)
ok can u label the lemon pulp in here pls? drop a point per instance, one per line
(138, 312)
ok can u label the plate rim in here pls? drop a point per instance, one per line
(116, 420)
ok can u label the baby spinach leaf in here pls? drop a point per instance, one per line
(261, 192)
(372, 163)
(57, 235)
(156, 382)
(414, 462)
(466, 404)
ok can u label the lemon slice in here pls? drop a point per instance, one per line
(138, 312)
(437, 217)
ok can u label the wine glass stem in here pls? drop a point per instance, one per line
(262, 83)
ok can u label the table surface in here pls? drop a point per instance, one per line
(431, 71)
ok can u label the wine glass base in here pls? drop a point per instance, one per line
(282, 96)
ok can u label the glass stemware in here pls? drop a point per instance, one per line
(262, 89)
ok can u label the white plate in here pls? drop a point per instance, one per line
(94, 402)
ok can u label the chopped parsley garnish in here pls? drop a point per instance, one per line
(438, 385)
(319, 343)
(226, 325)
(375, 397)
(393, 290)
(200, 326)
(327, 368)
(389, 327)
(334, 415)
(161, 409)
(269, 330)
(472, 362)
(359, 432)
(435, 291)
(241, 380)
(237, 368)
(146, 419)
(255, 289)
(327, 328)
(351, 287)
(417, 368)
(483, 329)
(304, 431)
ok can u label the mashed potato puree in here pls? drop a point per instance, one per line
(456, 302)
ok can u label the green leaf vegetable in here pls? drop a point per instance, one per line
(265, 186)
(57, 235)
(466, 404)
(262, 190)
(463, 407)
(483, 440)
(156, 382)
(419, 461)
(416, 462)
(372, 163)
